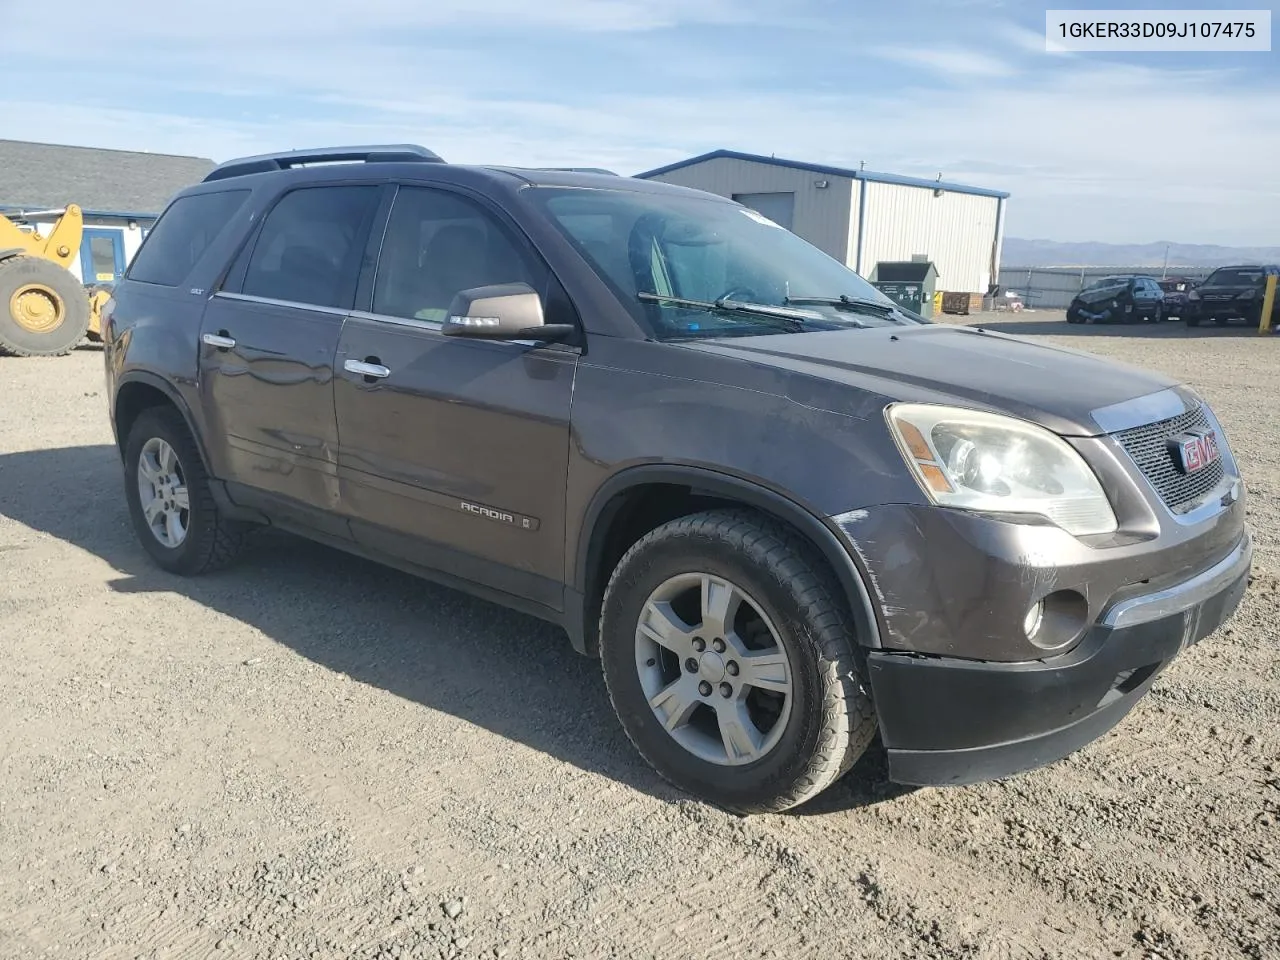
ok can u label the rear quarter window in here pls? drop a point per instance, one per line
(182, 235)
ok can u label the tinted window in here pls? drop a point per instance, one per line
(181, 236)
(438, 244)
(310, 246)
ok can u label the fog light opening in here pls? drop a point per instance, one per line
(1035, 616)
(1062, 620)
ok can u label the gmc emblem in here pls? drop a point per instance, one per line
(1195, 451)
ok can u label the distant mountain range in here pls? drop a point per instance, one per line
(1049, 253)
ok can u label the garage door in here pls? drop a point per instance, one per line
(778, 207)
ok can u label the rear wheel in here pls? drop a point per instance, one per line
(730, 660)
(44, 312)
(170, 500)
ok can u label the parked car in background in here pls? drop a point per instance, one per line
(1176, 291)
(1233, 293)
(1123, 298)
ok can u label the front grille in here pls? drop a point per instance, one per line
(1148, 445)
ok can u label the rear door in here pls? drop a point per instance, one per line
(268, 340)
(1148, 296)
(454, 452)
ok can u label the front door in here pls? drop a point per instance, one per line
(268, 340)
(101, 255)
(454, 452)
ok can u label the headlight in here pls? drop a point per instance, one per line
(973, 460)
(1247, 295)
(1193, 295)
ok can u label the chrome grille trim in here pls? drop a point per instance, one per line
(1148, 447)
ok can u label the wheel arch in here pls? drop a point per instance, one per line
(696, 488)
(138, 391)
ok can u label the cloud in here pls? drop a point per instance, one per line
(1078, 141)
(252, 22)
(948, 62)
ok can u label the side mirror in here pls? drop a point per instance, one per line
(504, 311)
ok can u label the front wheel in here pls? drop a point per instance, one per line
(730, 660)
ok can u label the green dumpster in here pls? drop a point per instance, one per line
(910, 284)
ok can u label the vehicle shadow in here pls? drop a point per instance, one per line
(866, 784)
(505, 672)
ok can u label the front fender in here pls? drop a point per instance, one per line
(609, 496)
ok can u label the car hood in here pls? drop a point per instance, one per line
(1051, 386)
(1101, 294)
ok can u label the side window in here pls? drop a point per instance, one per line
(310, 245)
(438, 244)
(182, 235)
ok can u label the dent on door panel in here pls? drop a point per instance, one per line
(271, 400)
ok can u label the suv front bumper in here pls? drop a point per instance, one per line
(945, 720)
(1220, 310)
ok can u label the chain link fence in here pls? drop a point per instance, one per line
(1052, 288)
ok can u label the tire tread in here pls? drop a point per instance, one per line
(847, 721)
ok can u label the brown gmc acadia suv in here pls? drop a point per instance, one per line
(782, 513)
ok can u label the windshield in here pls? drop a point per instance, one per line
(1234, 277)
(694, 249)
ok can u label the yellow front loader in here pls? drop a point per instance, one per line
(44, 310)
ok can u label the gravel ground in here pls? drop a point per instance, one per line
(311, 756)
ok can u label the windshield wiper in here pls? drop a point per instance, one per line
(855, 304)
(795, 319)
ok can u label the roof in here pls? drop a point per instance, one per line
(868, 175)
(103, 182)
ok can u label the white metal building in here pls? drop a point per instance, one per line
(121, 193)
(863, 218)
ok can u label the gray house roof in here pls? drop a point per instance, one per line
(47, 176)
(869, 175)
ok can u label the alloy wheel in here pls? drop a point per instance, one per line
(162, 492)
(713, 670)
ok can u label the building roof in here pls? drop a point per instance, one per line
(40, 176)
(868, 175)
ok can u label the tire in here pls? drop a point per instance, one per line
(790, 602)
(56, 312)
(209, 540)
(1192, 321)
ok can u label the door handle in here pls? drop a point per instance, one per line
(219, 340)
(370, 371)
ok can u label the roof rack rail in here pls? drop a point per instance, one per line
(577, 170)
(264, 163)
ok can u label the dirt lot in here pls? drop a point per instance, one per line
(310, 756)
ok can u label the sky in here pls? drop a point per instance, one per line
(1123, 148)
